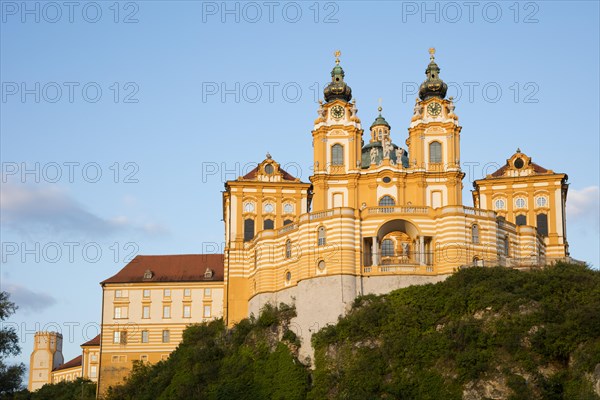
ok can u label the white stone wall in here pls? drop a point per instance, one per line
(321, 301)
(385, 284)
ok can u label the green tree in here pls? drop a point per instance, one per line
(10, 375)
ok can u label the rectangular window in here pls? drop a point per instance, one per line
(118, 293)
(143, 357)
(187, 292)
(166, 311)
(94, 357)
(115, 359)
(124, 337)
(206, 311)
(145, 337)
(166, 336)
(207, 292)
(93, 371)
(187, 311)
(116, 337)
(167, 293)
(146, 292)
(120, 312)
(146, 312)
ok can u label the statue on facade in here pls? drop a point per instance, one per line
(387, 148)
(321, 111)
(405, 250)
(373, 154)
(402, 157)
(417, 111)
(451, 108)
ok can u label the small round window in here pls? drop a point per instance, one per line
(321, 265)
(386, 179)
(519, 163)
(499, 204)
(288, 208)
(268, 169)
(520, 203)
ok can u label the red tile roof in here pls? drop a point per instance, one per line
(93, 342)
(171, 268)
(536, 168)
(286, 176)
(76, 362)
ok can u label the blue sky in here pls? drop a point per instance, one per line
(129, 116)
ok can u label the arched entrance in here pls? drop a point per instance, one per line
(398, 243)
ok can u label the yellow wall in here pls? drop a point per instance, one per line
(523, 185)
(67, 374)
(116, 359)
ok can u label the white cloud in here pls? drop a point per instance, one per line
(47, 209)
(27, 300)
(583, 205)
(28, 209)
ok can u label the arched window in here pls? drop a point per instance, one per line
(475, 234)
(506, 246)
(435, 152)
(387, 201)
(520, 202)
(541, 201)
(268, 224)
(387, 248)
(287, 222)
(542, 224)
(248, 229)
(521, 220)
(321, 239)
(288, 249)
(337, 154)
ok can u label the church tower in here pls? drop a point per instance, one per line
(434, 143)
(46, 355)
(337, 143)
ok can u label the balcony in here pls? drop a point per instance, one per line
(396, 210)
(399, 263)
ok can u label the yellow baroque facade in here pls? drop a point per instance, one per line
(377, 216)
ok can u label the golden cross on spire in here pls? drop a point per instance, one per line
(379, 108)
(337, 55)
(431, 53)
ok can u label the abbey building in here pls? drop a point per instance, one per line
(383, 210)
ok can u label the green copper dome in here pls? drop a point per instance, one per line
(433, 85)
(380, 121)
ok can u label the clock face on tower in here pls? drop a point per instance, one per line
(337, 112)
(434, 109)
